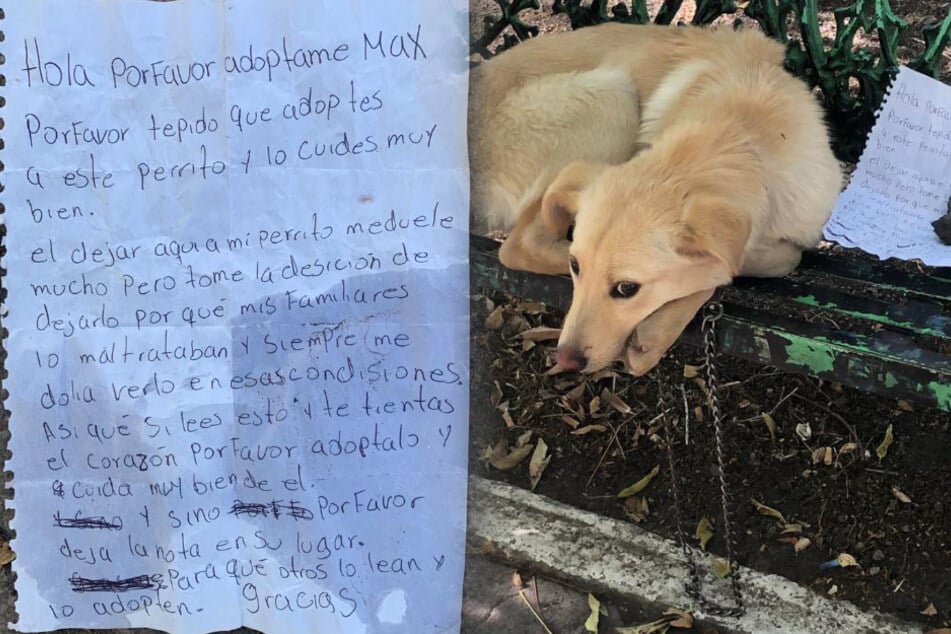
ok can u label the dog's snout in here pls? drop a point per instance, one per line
(570, 358)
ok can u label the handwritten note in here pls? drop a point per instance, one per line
(903, 180)
(237, 276)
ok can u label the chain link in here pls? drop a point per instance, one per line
(711, 314)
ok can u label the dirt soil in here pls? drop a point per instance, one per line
(818, 466)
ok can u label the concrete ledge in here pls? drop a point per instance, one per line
(606, 555)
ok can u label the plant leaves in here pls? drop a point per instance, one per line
(541, 333)
(496, 319)
(768, 511)
(770, 425)
(846, 560)
(882, 449)
(587, 429)
(512, 459)
(931, 610)
(801, 544)
(684, 619)
(615, 401)
(640, 485)
(6, 554)
(523, 439)
(704, 532)
(571, 422)
(901, 496)
(720, 567)
(540, 460)
(691, 371)
(591, 625)
(636, 509)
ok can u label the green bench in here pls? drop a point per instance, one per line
(868, 325)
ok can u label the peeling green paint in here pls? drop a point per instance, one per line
(810, 300)
(942, 394)
(808, 354)
(890, 380)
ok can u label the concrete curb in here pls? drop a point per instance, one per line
(606, 555)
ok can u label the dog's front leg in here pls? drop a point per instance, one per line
(660, 330)
(532, 246)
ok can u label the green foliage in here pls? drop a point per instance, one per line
(851, 79)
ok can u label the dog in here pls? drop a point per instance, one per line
(653, 164)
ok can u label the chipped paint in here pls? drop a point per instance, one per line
(809, 354)
(942, 394)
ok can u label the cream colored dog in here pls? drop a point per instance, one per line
(683, 157)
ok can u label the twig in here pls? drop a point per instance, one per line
(882, 472)
(521, 593)
(854, 436)
(683, 391)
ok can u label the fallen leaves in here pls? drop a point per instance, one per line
(587, 429)
(591, 625)
(901, 496)
(640, 485)
(770, 426)
(768, 511)
(801, 544)
(844, 560)
(673, 618)
(503, 457)
(704, 532)
(539, 461)
(931, 610)
(636, 509)
(540, 333)
(882, 449)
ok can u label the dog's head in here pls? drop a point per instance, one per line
(643, 236)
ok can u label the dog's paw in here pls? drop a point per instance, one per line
(639, 361)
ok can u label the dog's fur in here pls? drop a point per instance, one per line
(683, 157)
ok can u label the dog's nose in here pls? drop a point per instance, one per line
(570, 358)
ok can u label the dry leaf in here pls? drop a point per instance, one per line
(587, 429)
(720, 567)
(523, 439)
(827, 458)
(768, 511)
(931, 610)
(539, 461)
(531, 308)
(770, 425)
(818, 454)
(704, 532)
(553, 370)
(615, 401)
(6, 554)
(636, 509)
(527, 345)
(801, 544)
(595, 405)
(571, 422)
(591, 625)
(507, 417)
(848, 447)
(901, 496)
(541, 333)
(691, 371)
(804, 431)
(511, 460)
(494, 453)
(845, 560)
(905, 406)
(640, 485)
(496, 319)
(684, 620)
(577, 392)
(517, 580)
(496, 394)
(886, 443)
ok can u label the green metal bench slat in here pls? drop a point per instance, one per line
(936, 285)
(913, 315)
(887, 363)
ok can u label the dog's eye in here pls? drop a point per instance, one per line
(573, 263)
(623, 290)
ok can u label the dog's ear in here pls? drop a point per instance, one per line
(711, 230)
(560, 203)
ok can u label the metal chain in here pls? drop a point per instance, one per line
(711, 313)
